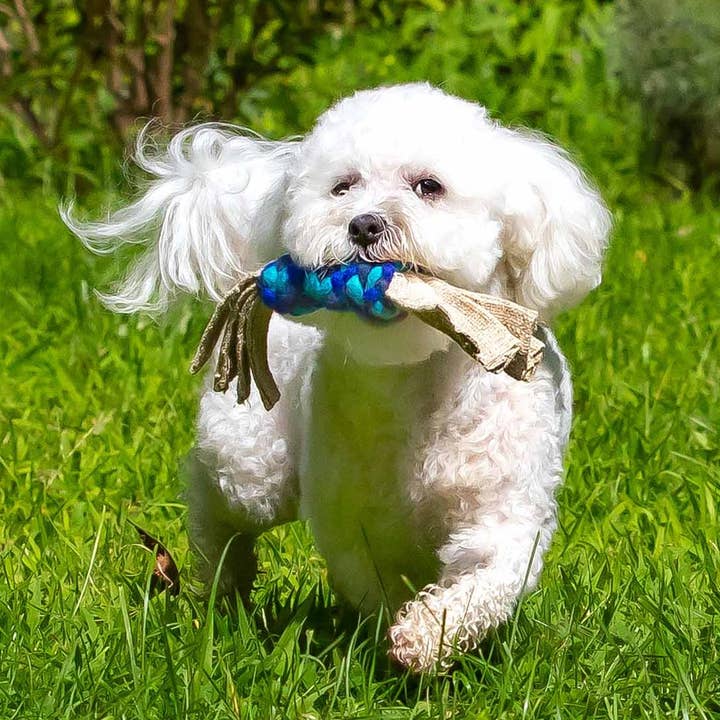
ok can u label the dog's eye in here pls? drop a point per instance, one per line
(427, 188)
(341, 188)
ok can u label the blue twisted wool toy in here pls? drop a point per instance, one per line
(495, 332)
(289, 289)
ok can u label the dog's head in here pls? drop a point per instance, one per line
(401, 173)
(410, 173)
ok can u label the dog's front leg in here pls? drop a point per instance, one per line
(491, 464)
(485, 569)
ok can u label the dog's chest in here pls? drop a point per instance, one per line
(363, 431)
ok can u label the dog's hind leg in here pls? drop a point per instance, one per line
(243, 469)
(221, 524)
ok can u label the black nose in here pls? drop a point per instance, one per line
(366, 229)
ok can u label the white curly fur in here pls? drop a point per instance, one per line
(413, 466)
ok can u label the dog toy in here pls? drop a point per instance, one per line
(497, 333)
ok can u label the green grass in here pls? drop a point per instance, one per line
(97, 413)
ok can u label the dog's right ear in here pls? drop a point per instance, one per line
(213, 205)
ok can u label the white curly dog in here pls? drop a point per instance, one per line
(414, 467)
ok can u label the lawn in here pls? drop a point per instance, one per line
(96, 414)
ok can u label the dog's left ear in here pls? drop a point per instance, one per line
(556, 226)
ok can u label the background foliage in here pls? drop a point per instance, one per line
(666, 54)
(626, 84)
(96, 410)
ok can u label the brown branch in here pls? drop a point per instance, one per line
(349, 13)
(124, 64)
(163, 76)
(23, 108)
(60, 115)
(127, 80)
(137, 66)
(5, 65)
(28, 29)
(195, 34)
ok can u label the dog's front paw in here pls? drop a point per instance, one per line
(426, 633)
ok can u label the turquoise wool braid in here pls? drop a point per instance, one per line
(289, 289)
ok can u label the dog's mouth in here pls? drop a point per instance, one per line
(396, 244)
(402, 260)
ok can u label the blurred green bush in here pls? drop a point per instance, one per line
(536, 64)
(78, 79)
(76, 75)
(667, 57)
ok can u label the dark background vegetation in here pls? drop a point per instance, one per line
(628, 84)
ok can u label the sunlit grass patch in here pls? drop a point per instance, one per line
(97, 413)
